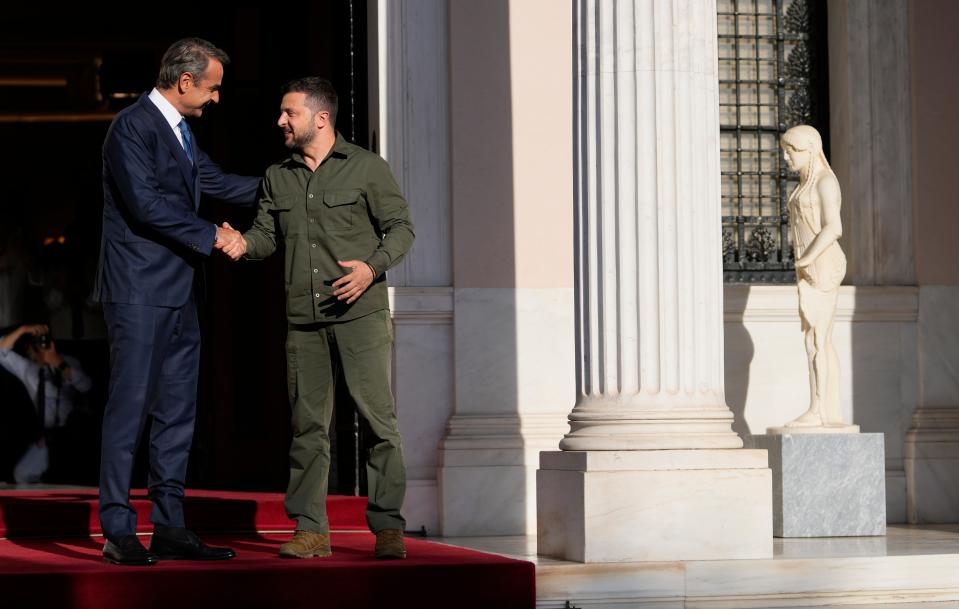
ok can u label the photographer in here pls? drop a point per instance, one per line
(54, 381)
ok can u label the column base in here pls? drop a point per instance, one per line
(826, 485)
(657, 505)
(486, 476)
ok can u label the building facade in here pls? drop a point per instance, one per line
(474, 109)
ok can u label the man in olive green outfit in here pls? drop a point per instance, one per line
(343, 222)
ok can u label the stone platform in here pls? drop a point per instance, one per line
(826, 485)
(910, 565)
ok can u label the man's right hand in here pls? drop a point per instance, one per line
(230, 241)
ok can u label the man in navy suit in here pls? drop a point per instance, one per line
(153, 242)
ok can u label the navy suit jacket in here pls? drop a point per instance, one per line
(153, 240)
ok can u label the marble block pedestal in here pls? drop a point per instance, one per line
(654, 505)
(826, 485)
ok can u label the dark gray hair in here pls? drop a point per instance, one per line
(188, 55)
(320, 94)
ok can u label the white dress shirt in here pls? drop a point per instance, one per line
(170, 113)
(59, 401)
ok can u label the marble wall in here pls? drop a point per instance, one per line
(423, 385)
(932, 444)
(932, 449)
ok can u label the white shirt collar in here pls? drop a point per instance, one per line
(170, 113)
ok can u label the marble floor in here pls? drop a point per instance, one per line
(911, 567)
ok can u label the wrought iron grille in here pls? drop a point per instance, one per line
(772, 76)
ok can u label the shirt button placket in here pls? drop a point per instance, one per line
(309, 211)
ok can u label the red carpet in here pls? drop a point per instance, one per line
(74, 513)
(50, 560)
(69, 574)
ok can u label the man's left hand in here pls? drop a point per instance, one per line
(352, 285)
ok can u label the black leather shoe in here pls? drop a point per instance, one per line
(127, 550)
(177, 543)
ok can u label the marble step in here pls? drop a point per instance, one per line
(910, 564)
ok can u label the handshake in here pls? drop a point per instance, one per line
(230, 241)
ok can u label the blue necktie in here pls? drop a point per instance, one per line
(187, 139)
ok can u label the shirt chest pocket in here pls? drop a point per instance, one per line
(282, 211)
(339, 210)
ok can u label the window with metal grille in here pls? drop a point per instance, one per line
(772, 76)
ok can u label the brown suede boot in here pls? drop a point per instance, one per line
(306, 544)
(389, 544)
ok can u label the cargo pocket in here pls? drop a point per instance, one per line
(373, 358)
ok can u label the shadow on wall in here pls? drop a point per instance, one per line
(738, 353)
(482, 483)
(881, 376)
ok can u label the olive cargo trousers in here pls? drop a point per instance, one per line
(362, 349)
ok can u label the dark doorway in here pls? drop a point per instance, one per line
(63, 74)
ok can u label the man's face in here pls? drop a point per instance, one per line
(199, 92)
(296, 121)
(36, 354)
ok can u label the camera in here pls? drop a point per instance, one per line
(42, 341)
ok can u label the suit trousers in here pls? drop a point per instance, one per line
(316, 353)
(154, 363)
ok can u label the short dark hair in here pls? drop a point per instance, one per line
(188, 55)
(320, 94)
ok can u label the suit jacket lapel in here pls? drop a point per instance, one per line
(176, 149)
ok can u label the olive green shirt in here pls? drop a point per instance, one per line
(350, 208)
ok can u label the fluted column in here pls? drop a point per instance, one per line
(648, 254)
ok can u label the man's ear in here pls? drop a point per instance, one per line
(185, 82)
(321, 119)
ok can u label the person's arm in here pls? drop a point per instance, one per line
(830, 200)
(8, 341)
(391, 216)
(391, 219)
(132, 164)
(10, 360)
(260, 240)
(227, 187)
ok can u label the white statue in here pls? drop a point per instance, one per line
(820, 267)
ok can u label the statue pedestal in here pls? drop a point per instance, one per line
(826, 484)
(654, 505)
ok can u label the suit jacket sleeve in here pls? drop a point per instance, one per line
(228, 187)
(132, 164)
